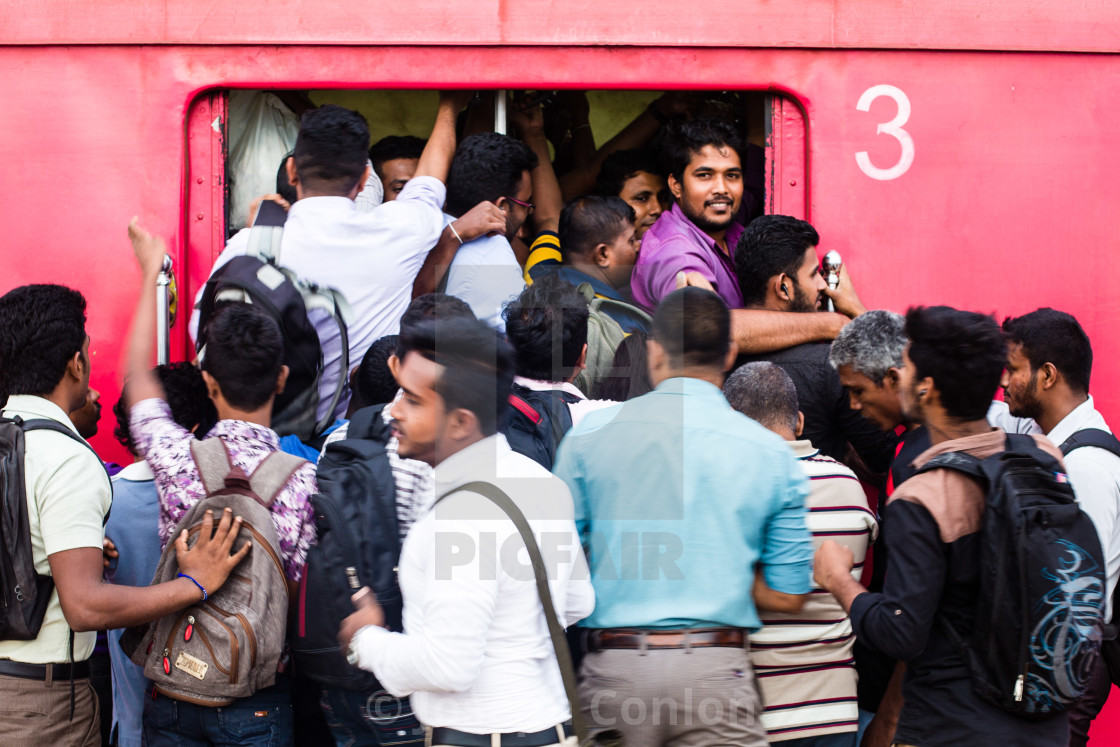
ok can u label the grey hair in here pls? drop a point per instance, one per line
(764, 392)
(871, 344)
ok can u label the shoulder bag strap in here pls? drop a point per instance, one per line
(555, 629)
(1091, 437)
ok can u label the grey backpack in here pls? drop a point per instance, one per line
(228, 646)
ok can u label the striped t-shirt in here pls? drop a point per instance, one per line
(804, 661)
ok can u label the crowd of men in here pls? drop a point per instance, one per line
(724, 479)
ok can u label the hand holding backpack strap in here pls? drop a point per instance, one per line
(555, 629)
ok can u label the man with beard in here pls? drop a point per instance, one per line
(776, 265)
(695, 242)
(1049, 361)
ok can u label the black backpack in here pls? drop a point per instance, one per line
(1110, 648)
(536, 420)
(1041, 583)
(259, 279)
(23, 592)
(358, 545)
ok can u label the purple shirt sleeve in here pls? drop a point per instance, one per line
(166, 446)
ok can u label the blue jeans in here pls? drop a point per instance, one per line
(264, 719)
(362, 719)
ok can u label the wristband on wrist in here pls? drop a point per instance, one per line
(200, 586)
(456, 233)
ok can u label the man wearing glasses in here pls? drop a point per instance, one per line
(485, 272)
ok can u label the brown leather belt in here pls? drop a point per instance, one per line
(597, 640)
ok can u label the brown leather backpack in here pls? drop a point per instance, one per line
(228, 646)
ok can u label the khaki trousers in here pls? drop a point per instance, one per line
(699, 697)
(36, 713)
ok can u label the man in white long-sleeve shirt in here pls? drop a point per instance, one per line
(1049, 363)
(476, 656)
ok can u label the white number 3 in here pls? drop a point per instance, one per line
(892, 128)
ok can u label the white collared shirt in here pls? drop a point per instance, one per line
(68, 497)
(577, 409)
(486, 275)
(371, 257)
(476, 653)
(1095, 476)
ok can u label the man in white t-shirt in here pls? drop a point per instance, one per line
(1049, 362)
(371, 257)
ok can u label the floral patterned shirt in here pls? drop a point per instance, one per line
(166, 446)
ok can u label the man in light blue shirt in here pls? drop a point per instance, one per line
(686, 507)
(485, 272)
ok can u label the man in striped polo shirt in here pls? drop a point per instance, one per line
(804, 660)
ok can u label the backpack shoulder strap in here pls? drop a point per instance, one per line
(555, 630)
(264, 243)
(957, 461)
(1091, 437)
(213, 461)
(45, 424)
(272, 474)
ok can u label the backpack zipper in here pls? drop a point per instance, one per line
(248, 631)
(234, 649)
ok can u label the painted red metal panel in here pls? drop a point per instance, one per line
(870, 24)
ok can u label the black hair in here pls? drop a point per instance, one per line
(186, 395)
(770, 245)
(586, 222)
(41, 327)
(244, 354)
(374, 383)
(395, 146)
(477, 364)
(331, 148)
(434, 306)
(962, 351)
(693, 325)
(486, 166)
(284, 186)
(765, 393)
(547, 326)
(622, 165)
(629, 376)
(1050, 336)
(680, 140)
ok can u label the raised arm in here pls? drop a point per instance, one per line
(546, 189)
(484, 218)
(142, 383)
(436, 158)
(763, 331)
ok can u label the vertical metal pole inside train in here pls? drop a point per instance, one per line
(500, 112)
(163, 313)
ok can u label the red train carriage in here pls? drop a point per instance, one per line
(954, 152)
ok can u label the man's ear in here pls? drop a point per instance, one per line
(581, 363)
(282, 380)
(674, 186)
(783, 287)
(729, 359)
(601, 255)
(461, 424)
(395, 366)
(290, 168)
(212, 389)
(361, 182)
(890, 379)
(1048, 376)
(76, 366)
(800, 424)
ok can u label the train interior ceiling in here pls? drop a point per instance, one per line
(262, 125)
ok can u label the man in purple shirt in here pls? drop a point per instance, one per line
(698, 235)
(694, 242)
